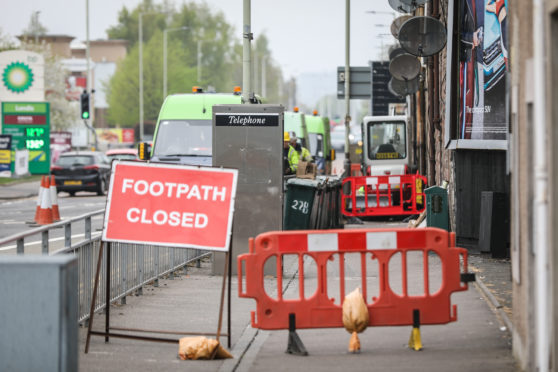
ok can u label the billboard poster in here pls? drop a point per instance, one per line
(75, 85)
(483, 63)
(115, 135)
(59, 142)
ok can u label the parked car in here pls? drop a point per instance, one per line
(126, 154)
(338, 139)
(82, 171)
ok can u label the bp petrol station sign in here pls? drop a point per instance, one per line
(29, 125)
(25, 116)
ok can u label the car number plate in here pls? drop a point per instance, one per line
(72, 183)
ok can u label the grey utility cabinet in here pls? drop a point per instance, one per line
(38, 313)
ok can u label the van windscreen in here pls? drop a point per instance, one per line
(316, 144)
(183, 137)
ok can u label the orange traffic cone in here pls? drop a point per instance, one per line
(45, 210)
(39, 198)
(54, 199)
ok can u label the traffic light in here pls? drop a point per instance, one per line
(84, 100)
(144, 151)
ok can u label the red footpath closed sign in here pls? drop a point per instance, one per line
(170, 205)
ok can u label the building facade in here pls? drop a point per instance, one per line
(514, 152)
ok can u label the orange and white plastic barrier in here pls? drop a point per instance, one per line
(367, 196)
(388, 308)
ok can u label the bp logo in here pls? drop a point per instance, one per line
(17, 77)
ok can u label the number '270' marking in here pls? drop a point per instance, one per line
(300, 205)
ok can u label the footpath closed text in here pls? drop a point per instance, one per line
(172, 191)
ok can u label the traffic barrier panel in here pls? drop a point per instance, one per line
(356, 170)
(368, 196)
(388, 308)
(54, 199)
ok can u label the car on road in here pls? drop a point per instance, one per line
(338, 137)
(122, 154)
(82, 171)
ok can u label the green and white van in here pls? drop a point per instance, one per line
(184, 128)
(294, 121)
(320, 142)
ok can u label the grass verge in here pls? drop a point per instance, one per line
(4, 181)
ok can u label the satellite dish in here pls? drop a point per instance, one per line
(404, 67)
(402, 88)
(393, 47)
(401, 7)
(397, 23)
(396, 52)
(422, 36)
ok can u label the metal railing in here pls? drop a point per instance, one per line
(132, 265)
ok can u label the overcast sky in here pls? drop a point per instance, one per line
(306, 36)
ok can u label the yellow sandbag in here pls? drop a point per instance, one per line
(355, 317)
(355, 312)
(201, 348)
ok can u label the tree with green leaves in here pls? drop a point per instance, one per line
(220, 64)
(6, 42)
(123, 92)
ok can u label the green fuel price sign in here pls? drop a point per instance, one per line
(29, 125)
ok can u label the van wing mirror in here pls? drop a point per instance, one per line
(144, 151)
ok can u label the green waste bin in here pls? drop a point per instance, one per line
(299, 204)
(331, 217)
(437, 210)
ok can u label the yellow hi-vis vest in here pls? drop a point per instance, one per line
(305, 154)
(293, 159)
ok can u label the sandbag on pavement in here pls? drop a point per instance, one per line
(201, 348)
(355, 317)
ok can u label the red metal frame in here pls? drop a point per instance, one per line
(387, 309)
(383, 195)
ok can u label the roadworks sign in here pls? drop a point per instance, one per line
(170, 205)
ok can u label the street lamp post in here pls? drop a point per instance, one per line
(140, 37)
(246, 52)
(140, 40)
(347, 163)
(165, 80)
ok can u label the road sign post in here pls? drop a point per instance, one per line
(169, 205)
